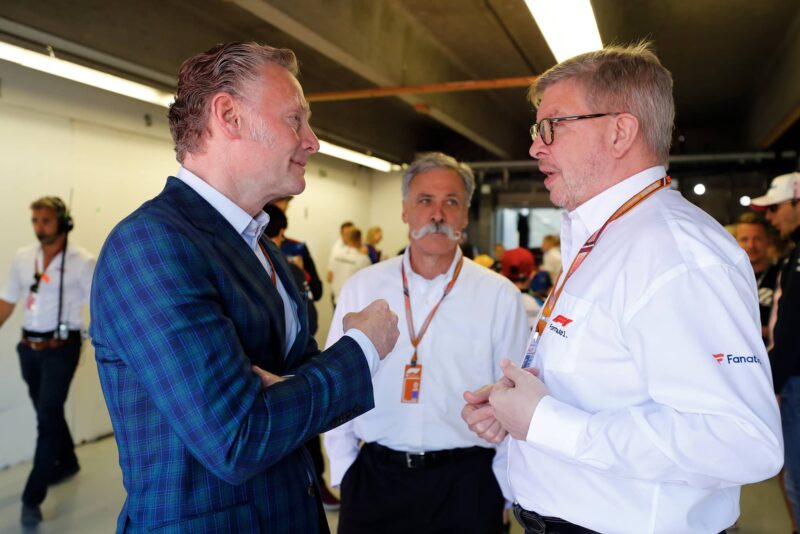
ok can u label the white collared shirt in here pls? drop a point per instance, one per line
(250, 229)
(661, 402)
(481, 321)
(345, 262)
(41, 308)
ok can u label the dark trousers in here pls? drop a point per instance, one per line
(461, 496)
(48, 374)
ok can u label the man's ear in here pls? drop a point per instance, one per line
(404, 215)
(225, 116)
(624, 133)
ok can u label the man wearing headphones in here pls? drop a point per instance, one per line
(55, 281)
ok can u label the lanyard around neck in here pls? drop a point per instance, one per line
(588, 246)
(415, 339)
(38, 276)
(271, 265)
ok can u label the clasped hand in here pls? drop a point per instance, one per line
(505, 407)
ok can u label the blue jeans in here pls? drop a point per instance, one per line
(790, 420)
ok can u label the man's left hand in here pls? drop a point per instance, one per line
(267, 378)
(515, 397)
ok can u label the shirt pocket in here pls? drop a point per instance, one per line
(566, 333)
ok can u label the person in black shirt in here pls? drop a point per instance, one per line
(782, 209)
(754, 237)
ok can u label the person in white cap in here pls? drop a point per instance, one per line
(781, 205)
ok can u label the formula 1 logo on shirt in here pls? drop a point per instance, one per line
(731, 359)
(563, 321)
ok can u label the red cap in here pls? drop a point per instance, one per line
(517, 264)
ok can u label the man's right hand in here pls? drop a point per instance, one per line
(378, 322)
(479, 415)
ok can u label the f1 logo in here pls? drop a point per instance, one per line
(563, 321)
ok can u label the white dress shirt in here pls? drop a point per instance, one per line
(337, 246)
(532, 309)
(551, 262)
(481, 321)
(661, 402)
(345, 262)
(250, 229)
(41, 309)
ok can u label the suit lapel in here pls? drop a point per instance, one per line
(283, 271)
(251, 276)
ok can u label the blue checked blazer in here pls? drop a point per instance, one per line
(181, 308)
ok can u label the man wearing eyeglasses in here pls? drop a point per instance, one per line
(648, 400)
(781, 205)
(55, 280)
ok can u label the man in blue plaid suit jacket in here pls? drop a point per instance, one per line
(210, 376)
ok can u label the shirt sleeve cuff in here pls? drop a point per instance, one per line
(370, 353)
(340, 467)
(557, 426)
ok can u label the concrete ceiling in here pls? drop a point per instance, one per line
(736, 63)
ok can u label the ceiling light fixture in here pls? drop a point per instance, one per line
(329, 149)
(84, 75)
(568, 27)
(699, 189)
(115, 84)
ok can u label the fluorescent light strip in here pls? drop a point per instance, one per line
(84, 75)
(568, 26)
(121, 86)
(355, 157)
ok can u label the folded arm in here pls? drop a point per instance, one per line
(156, 307)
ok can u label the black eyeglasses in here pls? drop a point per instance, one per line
(545, 126)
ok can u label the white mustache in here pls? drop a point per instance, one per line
(437, 228)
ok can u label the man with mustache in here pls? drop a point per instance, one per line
(189, 296)
(420, 469)
(649, 402)
(55, 279)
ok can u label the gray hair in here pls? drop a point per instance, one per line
(225, 67)
(438, 160)
(622, 79)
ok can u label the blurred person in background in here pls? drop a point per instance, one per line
(56, 280)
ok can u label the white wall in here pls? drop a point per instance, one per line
(57, 136)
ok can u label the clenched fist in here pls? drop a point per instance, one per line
(379, 324)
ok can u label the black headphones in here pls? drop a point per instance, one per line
(65, 223)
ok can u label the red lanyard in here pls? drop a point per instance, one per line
(271, 265)
(588, 246)
(415, 340)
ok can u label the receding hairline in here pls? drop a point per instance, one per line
(262, 80)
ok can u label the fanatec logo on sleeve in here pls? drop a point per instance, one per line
(732, 359)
